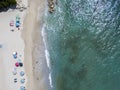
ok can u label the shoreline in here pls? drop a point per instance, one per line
(37, 70)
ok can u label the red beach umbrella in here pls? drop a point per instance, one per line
(16, 64)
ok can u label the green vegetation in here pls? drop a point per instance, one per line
(7, 3)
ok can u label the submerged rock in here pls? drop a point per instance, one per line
(51, 6)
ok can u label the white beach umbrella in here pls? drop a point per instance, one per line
(14, 53)
(14, 72)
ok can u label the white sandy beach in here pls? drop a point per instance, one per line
(34, 43)
(11, 41)
(23, 41)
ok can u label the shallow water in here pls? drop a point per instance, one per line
(83, 40)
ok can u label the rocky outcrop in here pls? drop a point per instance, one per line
(51, 5)
(20, 5)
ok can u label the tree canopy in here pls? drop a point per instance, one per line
(7, 3)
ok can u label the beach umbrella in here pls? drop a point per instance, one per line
(14, 72)
(17, 18)
(17, 21)
(22, 88)
(22, 80)
(17, 64)
(21, 64)
(22, 73)
(11, 23)
(14, 55)
(17, 24)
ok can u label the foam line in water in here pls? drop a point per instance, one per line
(43, 34)
(47, 58)
(46, 54)
(46, 51)
(50, 79)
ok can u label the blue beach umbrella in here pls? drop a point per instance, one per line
(22, 88)
(22, 73)
(17, 24)
(22, 80)
(14, 56)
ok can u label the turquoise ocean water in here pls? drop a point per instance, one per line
(83, 41)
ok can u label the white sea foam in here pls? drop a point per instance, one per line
(47, 58)
(47, 55)
(46, 51)
(50, 79)
(43, 35)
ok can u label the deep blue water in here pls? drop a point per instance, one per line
(83, 40)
